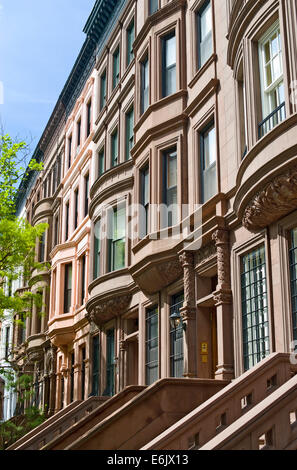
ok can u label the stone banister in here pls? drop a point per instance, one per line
(203, 423)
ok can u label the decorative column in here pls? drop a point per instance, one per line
(188, 313)
(223, 303)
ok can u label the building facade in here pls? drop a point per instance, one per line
(169, 187)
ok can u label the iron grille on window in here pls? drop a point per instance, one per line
(255, 324)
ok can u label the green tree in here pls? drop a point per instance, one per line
(17, 236)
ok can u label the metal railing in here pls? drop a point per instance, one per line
(272, 120)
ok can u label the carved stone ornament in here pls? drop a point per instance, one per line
(276, 200)
(187, 261)
(205, 253)
(105, 310)
(222, 297)
(221, 238)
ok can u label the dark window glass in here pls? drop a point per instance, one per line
(75, 208)
(169, 217)
(208, 163)
(72, 378)
(7, 335)
(144, 201)
(110, 363)
(101, 162)
(151, 346)
(78, 133)
(83, 278)
(42, 248)
(255, 324)
(114, 148)
(69, 151)
(67, 221)
(117, 230)
(116, 68)
(293, 278)
(176, 339)
(95, 365)
(129, 133)
(97, 247)
(204, 23)
(87, 181)
(89, 117)
(130, 40)
(67, 287)
(83, 372)
(144, 85)
(153, 6)
(168, 64)
(103, 90)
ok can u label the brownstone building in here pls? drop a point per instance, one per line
(170, 190)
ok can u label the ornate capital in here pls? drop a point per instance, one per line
(186, 259)
(277, 199)
(221, 237)
(222, 296)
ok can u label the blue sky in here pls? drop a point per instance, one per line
(39, 43)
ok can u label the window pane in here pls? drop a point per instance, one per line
(204, 20)
(152, 346)
(101, 163)
(153, 6)
(169, 65)
(114, 148)
(209, 171)
(254, 308)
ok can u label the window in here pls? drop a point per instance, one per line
(117, 230)
(130, 40)
(78, 134)
(293, 278)
(76, 208)
(153, 6)
(72, 377)
(87, 184)
(69, 151)
(110, 363)
(101, 162)
(89, 117)
(114, 148)
(95, 365)
(129, 133)
(144, 201)
(169, 213)
(67, 287)
(97, 248)
(56, 230)
(67, 221)
(103, 90)
(204, 25)
(83, 372)
(116, 68)
(168, 64)
(7, 336)
(255, 325)
(59, 170)
(151, 346)
(144, 100)
(41, 256)
(208, 163)
(272, 82)
(83, 279)
(176, 339)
